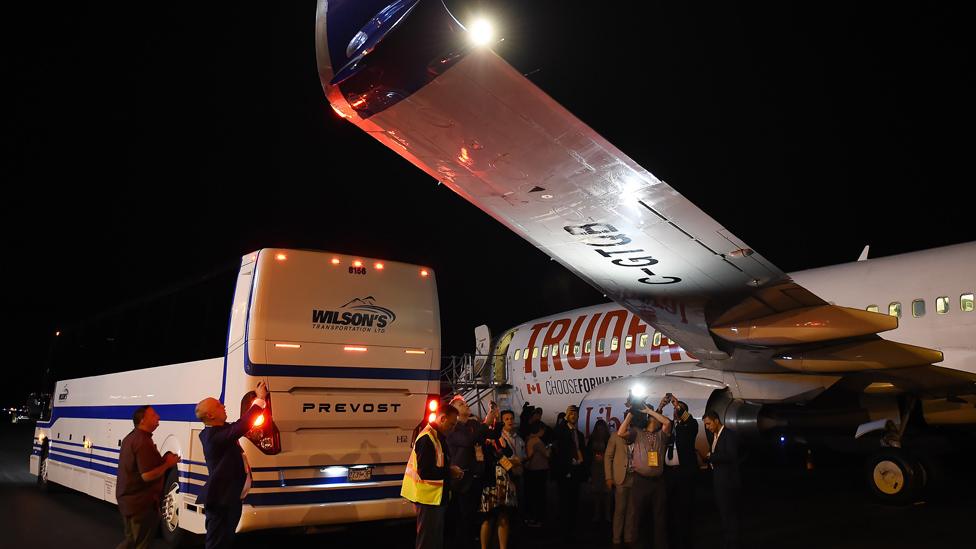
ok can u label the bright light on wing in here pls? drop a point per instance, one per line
(481, 32)
(638, 390)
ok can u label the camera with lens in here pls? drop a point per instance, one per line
(635, 404)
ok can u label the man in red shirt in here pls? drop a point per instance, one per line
(140, 480)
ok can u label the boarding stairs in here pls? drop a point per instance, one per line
(475, 377)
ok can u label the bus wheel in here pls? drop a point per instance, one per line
(894, 476)
(169, 511)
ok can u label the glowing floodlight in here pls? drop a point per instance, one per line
(638, 390)
(481, 32)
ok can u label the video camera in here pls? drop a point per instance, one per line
(636, 405)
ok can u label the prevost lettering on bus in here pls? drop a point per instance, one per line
(360, 315)
(610, 237)
(557, 330)
(350, 407)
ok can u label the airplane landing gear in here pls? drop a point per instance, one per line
(895, 477)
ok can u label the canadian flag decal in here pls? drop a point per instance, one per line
(534, 388)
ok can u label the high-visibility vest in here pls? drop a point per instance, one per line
(416, 489)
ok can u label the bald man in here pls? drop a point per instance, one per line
(230, 476)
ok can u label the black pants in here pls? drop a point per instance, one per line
(682, 483)
(727, 495)
(430, 525)
(463, 514)
(650, 503)
(221, 525)
(140, 529)
(535, 494)
(568, 489)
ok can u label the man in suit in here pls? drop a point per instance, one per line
(230, 476)
(568, 467)
(681, 473)
(619, 472)
(724, 461)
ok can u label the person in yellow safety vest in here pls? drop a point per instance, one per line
(423, 482)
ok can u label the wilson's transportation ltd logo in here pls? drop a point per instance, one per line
(359, 315)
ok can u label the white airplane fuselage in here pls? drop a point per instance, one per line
(553, 382)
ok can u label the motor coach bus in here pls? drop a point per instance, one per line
(350, 350)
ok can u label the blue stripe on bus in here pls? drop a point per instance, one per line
(188, 488)
(84, 464)
(316, 481)
(113, 461)
(167, 412)
(340, 495)
(343, 372)
(194, 476)
(185, 486)
(115, 450)
(188, 462)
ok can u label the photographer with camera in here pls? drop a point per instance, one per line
(649, 492)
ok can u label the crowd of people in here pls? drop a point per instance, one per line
(473, 480)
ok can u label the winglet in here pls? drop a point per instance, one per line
(864, 254)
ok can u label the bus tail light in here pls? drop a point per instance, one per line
(264, 433)
(432, 405)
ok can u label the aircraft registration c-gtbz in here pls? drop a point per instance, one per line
(773, 354)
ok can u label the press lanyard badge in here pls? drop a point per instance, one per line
(479, 454)
(652, 459)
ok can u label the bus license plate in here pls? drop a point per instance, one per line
(360, 475)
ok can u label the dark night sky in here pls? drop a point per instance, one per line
(152, 144)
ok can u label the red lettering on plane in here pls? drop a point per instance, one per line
(555, 334)
(609, 359)
(531, 350)
(673, 349)
(636, 329)
(580, 362)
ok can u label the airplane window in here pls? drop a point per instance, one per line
(545, 350)
(555, 349)
(942, 305)
(629, 343)
(614, 343)
(576, 347)
(918, 308)
(873, 309)
(643, 341)
(599, 345)
(587, 347)
(525, 353)
(535, 352)
(966, 303)
(894, 309)
(518, 354)
(670, 341)
(565, 349)
(657, 339)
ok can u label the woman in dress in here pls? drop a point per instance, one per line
(499, 498)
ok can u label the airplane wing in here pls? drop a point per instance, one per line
(404, 73)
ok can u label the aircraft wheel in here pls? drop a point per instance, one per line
(894, 476)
